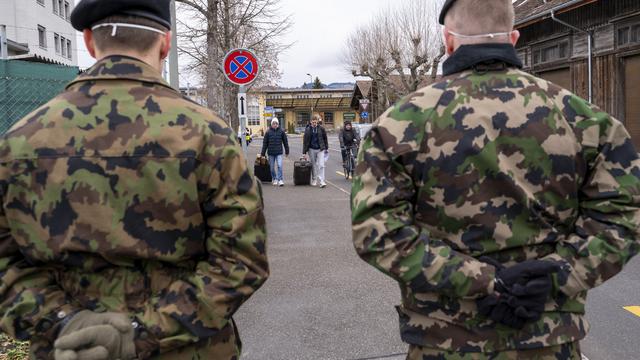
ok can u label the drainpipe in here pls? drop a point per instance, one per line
(590, 49)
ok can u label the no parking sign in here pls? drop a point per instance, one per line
(241, 66)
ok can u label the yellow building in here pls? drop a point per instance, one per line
(294, 107)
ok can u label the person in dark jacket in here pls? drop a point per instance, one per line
(274, 140)
(315, 146)
(349, 138)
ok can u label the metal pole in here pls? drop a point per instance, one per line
(4, 53)
(590, 49)
(173, 55)
(243, 117)
(590, 67)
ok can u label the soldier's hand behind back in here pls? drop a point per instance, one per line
(96, 336)
(521, 292)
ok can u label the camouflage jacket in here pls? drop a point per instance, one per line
(501, 164)
(121, 195)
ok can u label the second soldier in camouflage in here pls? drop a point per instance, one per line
(496, 200)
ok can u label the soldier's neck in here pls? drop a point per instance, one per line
(151, 59)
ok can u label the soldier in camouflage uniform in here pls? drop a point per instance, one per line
(130, 226)
(496, 200)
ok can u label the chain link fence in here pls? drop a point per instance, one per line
(25, 86)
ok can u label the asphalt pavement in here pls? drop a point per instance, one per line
(323, 302)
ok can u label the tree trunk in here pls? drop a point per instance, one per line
(213, 74)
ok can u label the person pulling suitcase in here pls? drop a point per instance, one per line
(315, 146)
(274, 140)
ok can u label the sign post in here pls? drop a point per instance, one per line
(241, 68)
(364, 109)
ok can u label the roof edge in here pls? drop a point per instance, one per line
(568, 6)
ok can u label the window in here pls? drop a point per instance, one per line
(42, 36)
(63, 46)
(629, 35)
(56, 42)
(328, 118)
(61, 8)
(303, 118)
(253, 112)
(55, 6)
(524, 57)
(69, 49)
(66, 10)
(551, 52)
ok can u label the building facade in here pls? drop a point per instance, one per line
(295, 107)
(41, 29)
(554, 45)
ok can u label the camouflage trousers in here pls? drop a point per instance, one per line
(226, 346)
(569, 351)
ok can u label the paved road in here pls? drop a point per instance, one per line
(323, 302)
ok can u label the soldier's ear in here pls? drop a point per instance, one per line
(88, 41)
(166, 45)
(448, 41)
(515, 36)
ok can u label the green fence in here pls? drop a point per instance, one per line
(24, 86)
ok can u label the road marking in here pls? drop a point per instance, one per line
(339, 188)
(635, 310)
(584, 357)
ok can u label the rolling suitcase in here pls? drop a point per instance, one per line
(262, 170)
(302, 172)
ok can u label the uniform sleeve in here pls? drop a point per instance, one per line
(31, 302)
(385, 233)
(607, 228)
(202, 305)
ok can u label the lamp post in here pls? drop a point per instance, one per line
(311, 84)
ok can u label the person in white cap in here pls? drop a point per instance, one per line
(274, 140)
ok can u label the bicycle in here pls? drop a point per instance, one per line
(350, 164)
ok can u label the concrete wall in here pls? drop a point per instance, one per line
(22, 18)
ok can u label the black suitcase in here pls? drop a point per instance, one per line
(302, 172)
(262, 170)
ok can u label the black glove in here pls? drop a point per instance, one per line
(521, 292)
(522, 273)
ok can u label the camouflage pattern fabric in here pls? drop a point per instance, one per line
(498, 164)
(568, 351)
(121, 195)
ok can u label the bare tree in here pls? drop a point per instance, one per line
(209, 29)
(401, 42)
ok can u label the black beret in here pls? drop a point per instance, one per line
(89, 12)
(445, 9)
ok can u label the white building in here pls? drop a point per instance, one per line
(40, 28)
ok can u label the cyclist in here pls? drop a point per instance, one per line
(349, 140)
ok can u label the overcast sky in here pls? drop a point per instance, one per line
(319, 32)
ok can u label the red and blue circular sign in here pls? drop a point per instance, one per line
(241, 66)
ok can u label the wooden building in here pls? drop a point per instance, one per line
(554, 45)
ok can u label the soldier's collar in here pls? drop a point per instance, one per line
(120, 67)
(484, 56)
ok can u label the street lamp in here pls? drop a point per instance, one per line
(311, 84)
